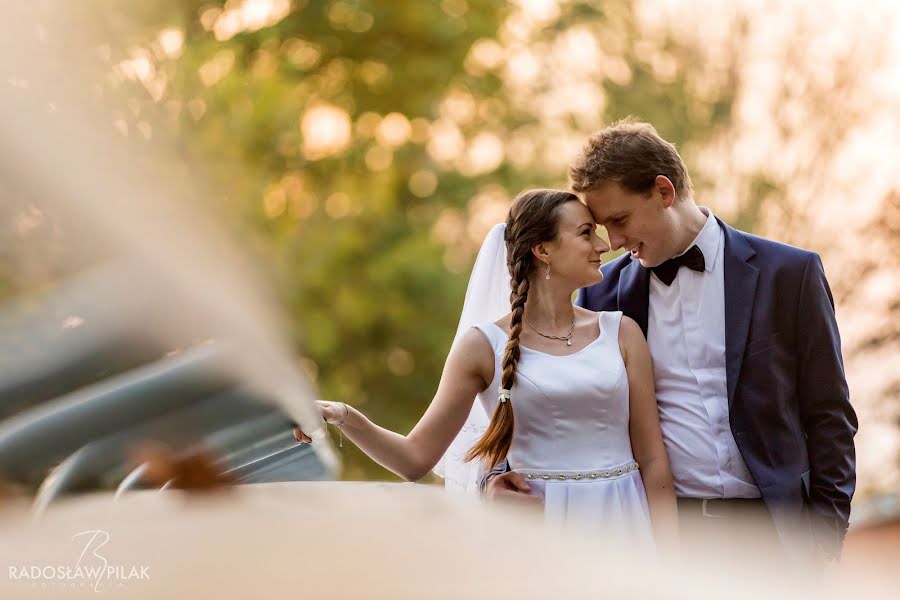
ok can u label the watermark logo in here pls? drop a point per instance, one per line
(92, 569)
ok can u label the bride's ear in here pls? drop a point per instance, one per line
(541, 252)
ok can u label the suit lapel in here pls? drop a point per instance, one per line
(740, 292)
(634, 293)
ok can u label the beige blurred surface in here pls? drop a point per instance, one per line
(370, 540)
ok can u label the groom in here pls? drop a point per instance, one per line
(753, 403)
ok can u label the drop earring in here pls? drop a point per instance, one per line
(548, 271)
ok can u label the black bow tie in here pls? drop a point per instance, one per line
(692, 259)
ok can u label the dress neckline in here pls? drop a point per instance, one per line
(579, 351)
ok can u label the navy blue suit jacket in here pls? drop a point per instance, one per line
(788, 400)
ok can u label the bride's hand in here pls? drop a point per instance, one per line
(333, 413)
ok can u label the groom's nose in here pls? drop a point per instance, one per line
(616, 240)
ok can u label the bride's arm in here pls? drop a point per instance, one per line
(646, 438)
(469, 367)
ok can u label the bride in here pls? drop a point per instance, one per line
(571, 391)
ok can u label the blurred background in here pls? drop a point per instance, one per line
(360, 150)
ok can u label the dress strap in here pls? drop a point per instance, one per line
(495, 336)
(609, 324)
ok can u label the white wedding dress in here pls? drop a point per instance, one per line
(571, 438)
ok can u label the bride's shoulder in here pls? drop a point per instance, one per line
(473, 339)
(631, 337)
(474, 349)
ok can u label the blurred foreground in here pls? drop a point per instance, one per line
(370, 540)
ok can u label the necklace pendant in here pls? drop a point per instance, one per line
(568, 342)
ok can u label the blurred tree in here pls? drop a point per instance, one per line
(364, 147)
(367, 146)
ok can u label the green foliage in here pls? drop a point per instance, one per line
(373, 302)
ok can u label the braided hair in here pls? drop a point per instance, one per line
(532, 219)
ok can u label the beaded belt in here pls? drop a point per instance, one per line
(577, 476)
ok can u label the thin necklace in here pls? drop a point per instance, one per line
(567, 337)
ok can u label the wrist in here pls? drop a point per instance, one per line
(483, 484)
(828, 535)
(341, 415)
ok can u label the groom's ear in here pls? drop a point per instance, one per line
(666, 190)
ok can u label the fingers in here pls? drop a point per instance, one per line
(301, 437)
(326, 409)
(515, 481)
(507, 483)
(512, 488)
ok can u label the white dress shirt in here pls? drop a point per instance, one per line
(686, 335)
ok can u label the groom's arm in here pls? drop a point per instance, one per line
(829, 420)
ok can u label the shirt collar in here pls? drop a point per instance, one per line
(708, 240)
